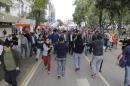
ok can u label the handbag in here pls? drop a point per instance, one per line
(122, 62)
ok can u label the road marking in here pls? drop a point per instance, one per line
(30, 74)
(83, 82)
(100, 75)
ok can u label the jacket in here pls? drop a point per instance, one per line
(61, 49)
(40, 42)
(46, 49)
(126, 53)
(97, 47)
(9, 61)
(78, 46)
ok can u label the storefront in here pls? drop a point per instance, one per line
(25, 25)
(6, 23)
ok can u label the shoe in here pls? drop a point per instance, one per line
(58, 76)
(77, 69)
(93, 76)
(49, 72)
(63, 75)
(36, 59)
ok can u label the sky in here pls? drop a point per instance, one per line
(64, 9)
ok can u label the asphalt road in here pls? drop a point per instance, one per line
(112, 74)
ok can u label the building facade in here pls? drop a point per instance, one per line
(12, 11)
(51, 14)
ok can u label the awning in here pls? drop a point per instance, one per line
(8, 18)
(23, 25)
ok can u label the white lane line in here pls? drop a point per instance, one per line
(83, 82)
(30, 74)
(100, 75)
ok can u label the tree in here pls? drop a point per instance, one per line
(38, 10)
(60, 22)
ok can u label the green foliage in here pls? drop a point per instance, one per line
(38, 10)
(60, 22)
(99, 12)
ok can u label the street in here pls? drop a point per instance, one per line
(111, 75)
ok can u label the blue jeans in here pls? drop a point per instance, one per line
(127, 76)
(61, 62)
(96, 63)
(77, 58)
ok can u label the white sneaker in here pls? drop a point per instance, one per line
(49, 72)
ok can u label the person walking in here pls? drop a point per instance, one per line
(54, 38)
(15, 42)
(97, 56)
(61, 49)
(47, 55)
(33, 45)
(24, 45)
(126, 56)
(39, 46)
(78, 49)
(10, 65)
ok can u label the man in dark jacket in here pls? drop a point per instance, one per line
(126, 54)
(61, 49)
(78, 49)
(97, 55)
(39, 45)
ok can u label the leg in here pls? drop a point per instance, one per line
(59, 68)
(79, 61)
(127, 76)
(100, 70)
(45, 60)
(25, 48)
(90, 48)
(13, 78)
(76, 60)
(22, 49)
(7, 77)
(93, 65)
(63, 66)
(99, 63)
(38, 53)
(49, 63)
(31, 50)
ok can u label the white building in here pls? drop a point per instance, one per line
(51, 13)
(20, 8)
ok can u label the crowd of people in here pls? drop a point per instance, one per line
(59, 42)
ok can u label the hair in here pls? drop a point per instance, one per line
(7, 44)
(128, 42)
(99, 37)
(61, 39)
(79, 36)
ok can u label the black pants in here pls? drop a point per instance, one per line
(91, 47)
(10, 77)
(24, 49)
(33, 49)
(71, 47)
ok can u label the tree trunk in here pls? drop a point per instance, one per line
(119, 25)
(100, 20)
